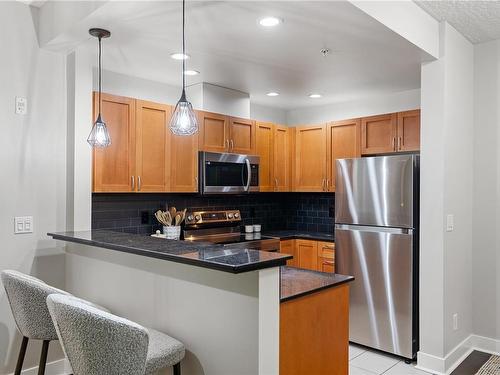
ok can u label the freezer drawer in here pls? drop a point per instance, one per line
(375, 191)
(381, 260)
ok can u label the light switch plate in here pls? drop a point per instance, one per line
(21, 105)
(450, 223)
(23, 224)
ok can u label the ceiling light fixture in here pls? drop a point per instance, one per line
(272, 93)
(270, 21)
(191, 72)
(183, 121)
(315, 96)
(179, 56)
(99, 135)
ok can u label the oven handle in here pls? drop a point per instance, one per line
(249, 174)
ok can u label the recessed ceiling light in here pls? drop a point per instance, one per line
(191, 72)
(270, 21)
(179, 56)
(315, 96)
(272, 93)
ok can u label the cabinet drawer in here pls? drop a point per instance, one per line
(326, 250)
(326, 265)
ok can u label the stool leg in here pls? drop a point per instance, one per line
(43, 357)
(177, 369)
(20, 358)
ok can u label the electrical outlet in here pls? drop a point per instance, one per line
(21, 105)
(23, 224)
(455, 321)
(450, 223)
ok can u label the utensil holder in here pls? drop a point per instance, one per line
(172, 232)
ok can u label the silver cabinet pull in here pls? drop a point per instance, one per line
(139, 183)
(133, 182)
(399, 143)
(327, 184)
(394, 143)
(227, 142)
(232, 145)
(323, 185)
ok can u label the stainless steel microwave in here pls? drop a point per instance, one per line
(222, 173)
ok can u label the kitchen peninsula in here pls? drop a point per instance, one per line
(200, 291)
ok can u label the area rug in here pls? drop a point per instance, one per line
(491, 367)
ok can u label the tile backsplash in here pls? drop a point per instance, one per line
(133, 213)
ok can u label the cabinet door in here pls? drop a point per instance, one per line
(343, 142)
(153, 159)
(214, 132)
(310, 158)
(264, 148)
(184, 163)
(307, 253)
(288, 247)
(114, 166)
(409, 131)
(378, 134)
(281, 158)
(241, 136)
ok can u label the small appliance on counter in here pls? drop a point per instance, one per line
(222, 173)
(224, 227)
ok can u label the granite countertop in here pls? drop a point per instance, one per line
(300, 234)
(200, 254)
(297, 282)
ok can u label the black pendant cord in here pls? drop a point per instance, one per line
(183, 45)
(99, 73)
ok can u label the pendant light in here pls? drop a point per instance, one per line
(99, 136)
(183, 121)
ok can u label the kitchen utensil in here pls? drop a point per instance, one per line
(177, 220)
(173, 212)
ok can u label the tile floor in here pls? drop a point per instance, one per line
(367, 362)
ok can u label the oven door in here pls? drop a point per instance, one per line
(222, 173)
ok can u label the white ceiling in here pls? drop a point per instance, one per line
(231, 49)
(478, 21)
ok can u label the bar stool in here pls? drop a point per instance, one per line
(97, 342)
(27, 298)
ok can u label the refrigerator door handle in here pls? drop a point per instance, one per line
(365, 228)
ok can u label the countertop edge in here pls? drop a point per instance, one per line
(315, 290)
(255, 266)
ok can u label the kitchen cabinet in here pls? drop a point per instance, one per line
(152, 151)
(408, 131)
(114, 166)
(343, 141)
(326, 257)
(214, 132)
(241, 136)
(265, 148)
(184, 163)
(307, 254)
(310, 158)
(288, 247)
(378, 134)
(281, 158)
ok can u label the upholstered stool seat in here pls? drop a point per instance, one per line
(27, 297)
(97, 342)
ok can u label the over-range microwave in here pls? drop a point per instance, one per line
(223, 173)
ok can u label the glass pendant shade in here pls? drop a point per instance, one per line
(99, 136)
(183, 121)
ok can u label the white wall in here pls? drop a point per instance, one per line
(486, 217)
(394, 102)
(264, 113)
(446, 179)
(32, 165)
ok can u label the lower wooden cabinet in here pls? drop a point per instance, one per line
(310, 254)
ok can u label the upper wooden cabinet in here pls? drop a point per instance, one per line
(394, 132)
(378, 134)
(114, 166)
(310, 158)
(241, 136)
(282, 152)
(264, 148)
(184, 163)
(219, 133)
(409, 131)
(152, 153)
(343, 142)
(214, 132)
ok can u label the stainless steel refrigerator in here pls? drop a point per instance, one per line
(376, 240)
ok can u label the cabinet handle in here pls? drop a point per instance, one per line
(133, 182)
(139, 183)
(394, 143)
(227, 142)
(232, 145)
(329, 247)
(399, 143)
(323, 184)
(327, 184)
(276, 182)
(196, 181)
(330, 263)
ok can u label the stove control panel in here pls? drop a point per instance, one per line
(209, 217)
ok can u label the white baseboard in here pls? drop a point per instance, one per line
(443, 366)
(59, 367)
